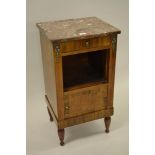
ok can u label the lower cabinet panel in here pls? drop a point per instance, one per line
(85, 100)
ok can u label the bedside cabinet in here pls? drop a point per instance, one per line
(79, 66)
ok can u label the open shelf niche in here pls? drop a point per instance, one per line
(85, 69)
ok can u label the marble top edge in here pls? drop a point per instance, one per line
(78, 38)
(76, 28)
(64, 20)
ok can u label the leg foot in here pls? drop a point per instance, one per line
(107, 121)
(51, 118)
(61, 133)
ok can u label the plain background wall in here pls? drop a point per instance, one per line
(41, 135)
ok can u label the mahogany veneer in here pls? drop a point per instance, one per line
(79, 66)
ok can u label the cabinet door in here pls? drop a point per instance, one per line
(85, 100)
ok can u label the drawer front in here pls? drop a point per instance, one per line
(84, 44)
(85, 100)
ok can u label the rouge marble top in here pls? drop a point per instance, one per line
(76, 28)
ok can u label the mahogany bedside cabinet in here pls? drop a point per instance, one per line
(79, 66)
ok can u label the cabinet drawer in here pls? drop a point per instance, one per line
(85, 100)
(84, 44)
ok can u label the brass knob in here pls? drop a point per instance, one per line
(67, 107)
(87, 44)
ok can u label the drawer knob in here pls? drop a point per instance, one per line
(87, 44)
(67, 107)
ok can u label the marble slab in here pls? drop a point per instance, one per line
(76, 28)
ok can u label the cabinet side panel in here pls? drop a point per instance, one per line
(59, 79)
(112, 69)
(49, 71)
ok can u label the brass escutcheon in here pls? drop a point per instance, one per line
(57, 50)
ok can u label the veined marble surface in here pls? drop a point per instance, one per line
(76, 28)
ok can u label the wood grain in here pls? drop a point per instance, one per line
(85, 118)
(59, 82)
(85, 100)
(49, 71)
(84, 44)
(80, 119)
(79, 73)
(111, 75)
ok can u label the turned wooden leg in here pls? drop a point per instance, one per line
(61, 133)
(51, 118)
(107, 121)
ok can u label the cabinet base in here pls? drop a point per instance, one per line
(62, 124)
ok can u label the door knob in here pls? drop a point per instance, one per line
(87, 44)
